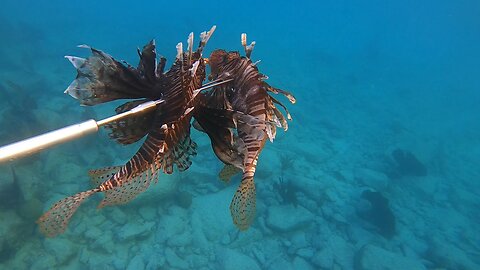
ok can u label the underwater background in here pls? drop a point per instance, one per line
(378, 170)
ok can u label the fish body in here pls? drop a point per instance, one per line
(238, 117)
(166, 128)
(254, 118)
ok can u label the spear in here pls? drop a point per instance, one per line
(40, 142)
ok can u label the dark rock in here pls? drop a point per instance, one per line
(407, 165)
(11, 195)
(370, 257)
(7, 252)
(379, 213)
(184, 199)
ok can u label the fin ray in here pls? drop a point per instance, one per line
(243, 203)
(55, 220)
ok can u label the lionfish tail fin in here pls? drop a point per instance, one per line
(101, 78)
(55, 220)
(243, 204)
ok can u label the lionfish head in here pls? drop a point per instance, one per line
(218, 60)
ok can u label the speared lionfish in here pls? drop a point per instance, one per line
(238, 117)
(255, 117)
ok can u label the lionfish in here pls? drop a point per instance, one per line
(238, 117)
(100, 79)
(254, 118)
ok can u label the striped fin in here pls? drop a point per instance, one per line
(182, 153)
(101, 79)
(190, 48)
(99, 176)
(251, 125)
(248, 48)
(55, 220)
(287, 94)
(130, 188)
(147, 67)
(289, 117)
(204, 37)
(279, 119)
(131, 129)
(163, 148)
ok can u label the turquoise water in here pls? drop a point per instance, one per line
(379, 167)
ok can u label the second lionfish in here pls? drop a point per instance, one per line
(238, 117)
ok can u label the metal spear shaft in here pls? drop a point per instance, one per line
(40, 142)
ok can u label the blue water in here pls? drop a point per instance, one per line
(371, 79)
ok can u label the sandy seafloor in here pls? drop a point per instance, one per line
(370, 78)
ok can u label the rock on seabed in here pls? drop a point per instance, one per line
(285, 218)
(374, 258)
(233, 260)
(131, 230)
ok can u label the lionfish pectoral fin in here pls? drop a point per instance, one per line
(129, 188)
(280, 120)
(182, 153)
(99, 176)
(133, 128)
(228, 172)
(274, 100)
(55, 220)
(287, 94)
(271, 131)
(138, 173)
(218, 117)
(243, 204)
(77, 62)
(101, 78)
(251, 125)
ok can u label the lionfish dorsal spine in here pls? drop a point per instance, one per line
(204, 37)
(248, 48)
(190, 48)
(179, 56)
